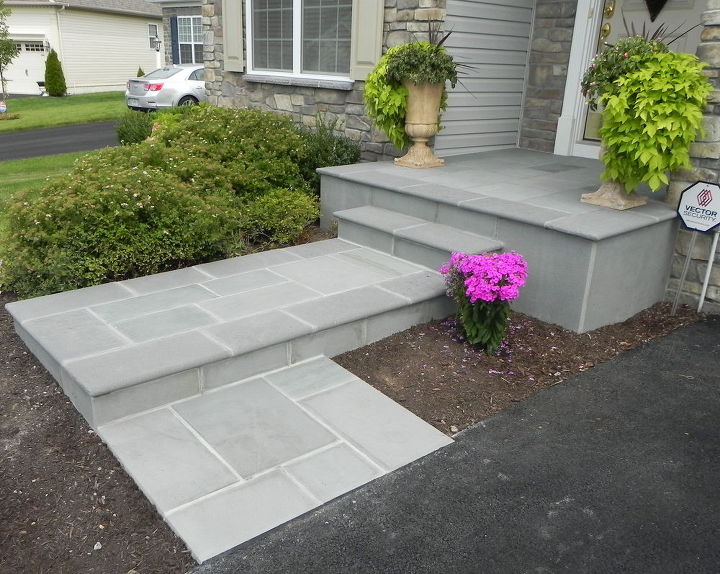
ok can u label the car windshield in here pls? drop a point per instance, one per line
(162, 73)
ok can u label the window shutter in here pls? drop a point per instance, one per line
(174, 46)
(367, 34)
(233, 35)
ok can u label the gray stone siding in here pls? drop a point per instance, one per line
(705, 167)
(168, 13)
(547, 73)
(404, 20)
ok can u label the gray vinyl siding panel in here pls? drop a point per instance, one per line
(491, 38)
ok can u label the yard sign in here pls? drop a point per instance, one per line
(699, 209)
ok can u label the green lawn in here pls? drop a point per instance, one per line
(30, 174)
(45, 112)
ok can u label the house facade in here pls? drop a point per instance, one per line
(100, 43)
(521, 88)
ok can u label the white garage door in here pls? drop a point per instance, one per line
(27, 68)
(493, 38)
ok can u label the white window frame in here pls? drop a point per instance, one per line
(297, 49)
(192, 35)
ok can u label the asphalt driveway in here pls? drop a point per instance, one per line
(51, 141)
(617, 470)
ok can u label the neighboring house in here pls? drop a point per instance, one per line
(100, 43)
(184, 34)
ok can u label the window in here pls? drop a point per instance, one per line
(301, 36)
(153, 36)
(34, 47)
(190, 39)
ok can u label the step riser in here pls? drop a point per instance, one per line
(430, 257)
(338, 195)
(103, 409)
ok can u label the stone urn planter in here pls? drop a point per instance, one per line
(421, 124)
(612, 193)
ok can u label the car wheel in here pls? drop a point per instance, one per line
(187, 101)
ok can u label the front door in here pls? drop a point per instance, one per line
(600, 22)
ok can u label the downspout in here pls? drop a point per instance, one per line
(58, 27)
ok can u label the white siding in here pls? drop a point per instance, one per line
(28, 68)
(492, 37)
(99, 51)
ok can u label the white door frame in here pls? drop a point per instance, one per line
(568, 139)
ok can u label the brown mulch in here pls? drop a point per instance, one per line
(66, 505)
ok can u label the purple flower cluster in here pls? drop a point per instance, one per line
(494, 277)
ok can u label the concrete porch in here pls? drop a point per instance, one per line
(589, 266)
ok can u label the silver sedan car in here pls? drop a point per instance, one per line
(166, 88)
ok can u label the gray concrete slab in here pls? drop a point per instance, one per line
(259, 300)
(67, 301)
(328, 274)
(227, 465)
(152, 303)
(372, 422)
(169, 462)
(345, 307)
(128, 366)
(616, 470)
(74, 334)
(164, 323)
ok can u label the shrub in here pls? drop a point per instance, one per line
(140, 72)
(211, 183)
(261, 150)
(277, 217)
(134, 127)
(326, 146)
(54, 76)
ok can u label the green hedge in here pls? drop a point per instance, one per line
(210, 183)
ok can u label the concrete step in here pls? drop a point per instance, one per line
(122, 348)
(408, 237)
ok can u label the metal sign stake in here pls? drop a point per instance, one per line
(688, 257)
(711, 260)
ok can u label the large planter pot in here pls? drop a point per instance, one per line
(612, 194)
(421, 123)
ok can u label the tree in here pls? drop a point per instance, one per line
(8, 49)
(54, 76)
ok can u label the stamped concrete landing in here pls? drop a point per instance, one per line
(233, 463)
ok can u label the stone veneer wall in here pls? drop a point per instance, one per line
(547, 73)
(404, 20)
(705, 154)
(168, 13)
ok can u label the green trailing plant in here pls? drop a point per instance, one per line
(627, 55)
(653, 101)
(425, 62)
(651, 119)
(54, 76)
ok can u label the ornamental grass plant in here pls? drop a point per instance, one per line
(483, 287)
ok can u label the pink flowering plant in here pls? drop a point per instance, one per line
(483, 286)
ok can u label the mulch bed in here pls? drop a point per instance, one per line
(66, 505)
